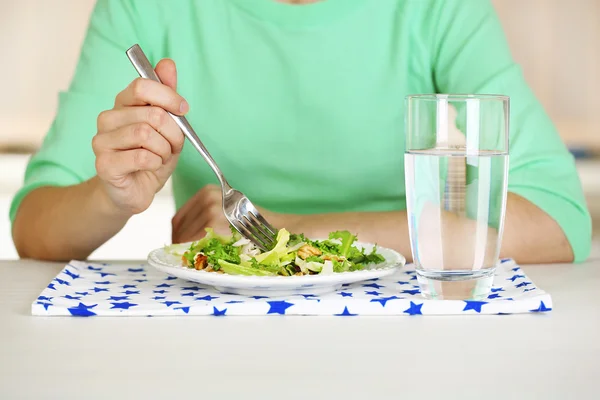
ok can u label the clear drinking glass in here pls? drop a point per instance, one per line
(456, 165)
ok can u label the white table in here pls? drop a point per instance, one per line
(554, 355)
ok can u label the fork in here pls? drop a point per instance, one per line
(238, 210)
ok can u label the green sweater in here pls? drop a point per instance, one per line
(303, 106)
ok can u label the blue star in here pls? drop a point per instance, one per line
(189, 294)
(515, 277)
(278, 307)
(234, 301)
(141, 280)
(412, 292)
(403, 283)
(414, 278)
(345, 285)
(128, 286)
(184, 309)
(474, 305)
(384, 300)
(259, 297)
(68, 296)
(374, 293)
(118, 298)
(103, 274)
(192, 288)
(98, 290)
(128, 292)
(82, 310)
(170, 278)
(528, 290)
(46, 305)
(219, 313)
(51, 286)
(62, 282)
(207, 298)
(523, 284)
(159, 297)
(345, 313)
(542, 308)
(494, 296)
(44, 298)
(94, 269)
(504, 260)
(501, 313)
(164, 285)
(494, 290)
(309, 296)
(71, 274)
(344, 294)
(136, 270)
(160, 291)
(82, 293)
(409, 272)
(516, 269)
(125, 305)
(170, 303)
(373, 285)
(103, 283)
(414, 309)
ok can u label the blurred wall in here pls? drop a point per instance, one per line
(557, 42)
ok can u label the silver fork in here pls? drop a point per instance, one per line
(238, 210)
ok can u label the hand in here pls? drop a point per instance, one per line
(205, 210)
(138, 144)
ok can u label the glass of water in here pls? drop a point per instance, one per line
(456, 165)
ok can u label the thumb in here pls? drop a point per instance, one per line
(167, 72)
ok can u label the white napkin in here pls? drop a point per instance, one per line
(83, 289)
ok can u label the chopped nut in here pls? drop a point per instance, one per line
(185, 261)
(209, 269)
(307, 251)
(200, 261)
(333, 258)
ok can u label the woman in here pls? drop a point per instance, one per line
(302, 107)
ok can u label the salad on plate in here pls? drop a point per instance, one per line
(292, 255)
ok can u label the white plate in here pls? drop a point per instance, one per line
(276, 285)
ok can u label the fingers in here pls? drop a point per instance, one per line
(155, 117)
(198, 210)
(137, 136)
(167, 72)
(142, 92)
(114, 165)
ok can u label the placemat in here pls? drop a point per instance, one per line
(83, 290)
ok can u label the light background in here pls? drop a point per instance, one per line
(557, 43)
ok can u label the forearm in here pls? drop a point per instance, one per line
(63, 223)
(530, 235)
(387, 229)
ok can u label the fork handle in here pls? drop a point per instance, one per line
(145, 70)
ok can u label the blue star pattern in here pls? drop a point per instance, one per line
(412, 292)
(474, 305)
(82, 310)
(219, 313)
(373, 285)
(125, 305)
(384, 300)
(542, 308)
(345, 313)
(125, 290)
(414, 309)
(278, 307)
